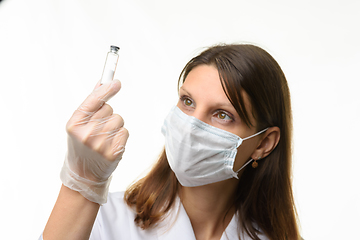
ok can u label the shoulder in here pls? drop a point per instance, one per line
(111, 215)
(115, 220)
(115, 208)
(115, 202)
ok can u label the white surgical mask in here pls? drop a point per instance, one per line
(199, 153)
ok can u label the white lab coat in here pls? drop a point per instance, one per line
(115, 221)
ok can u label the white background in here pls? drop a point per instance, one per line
(52, 54)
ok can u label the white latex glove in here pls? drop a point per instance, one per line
(96, 142)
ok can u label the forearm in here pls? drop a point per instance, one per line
(73, 217)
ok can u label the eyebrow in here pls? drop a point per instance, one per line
(218, 104)
(182, 88)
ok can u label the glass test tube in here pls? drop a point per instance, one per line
(110, 65)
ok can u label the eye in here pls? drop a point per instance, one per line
(187, 101)
(223, 116)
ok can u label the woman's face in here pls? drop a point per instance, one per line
(203, 97)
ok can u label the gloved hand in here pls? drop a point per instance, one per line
(96, 142)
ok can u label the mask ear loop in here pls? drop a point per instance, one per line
(236, 173)
(255, 164)
(258, 133)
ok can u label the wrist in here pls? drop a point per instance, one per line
(91, 190)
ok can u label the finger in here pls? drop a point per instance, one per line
(114, 123)
(103, 113)
(98, 98)
(108, 127)
(93, 120)
(118, 144)
(98, 84)
(102, 137)
(103, 117)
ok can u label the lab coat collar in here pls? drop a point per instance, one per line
(177, 223)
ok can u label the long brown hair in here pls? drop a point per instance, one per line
(268, 200)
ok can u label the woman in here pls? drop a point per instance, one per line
(233, 109)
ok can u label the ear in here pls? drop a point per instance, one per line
(268, 141)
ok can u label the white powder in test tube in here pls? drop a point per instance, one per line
(110, 65)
